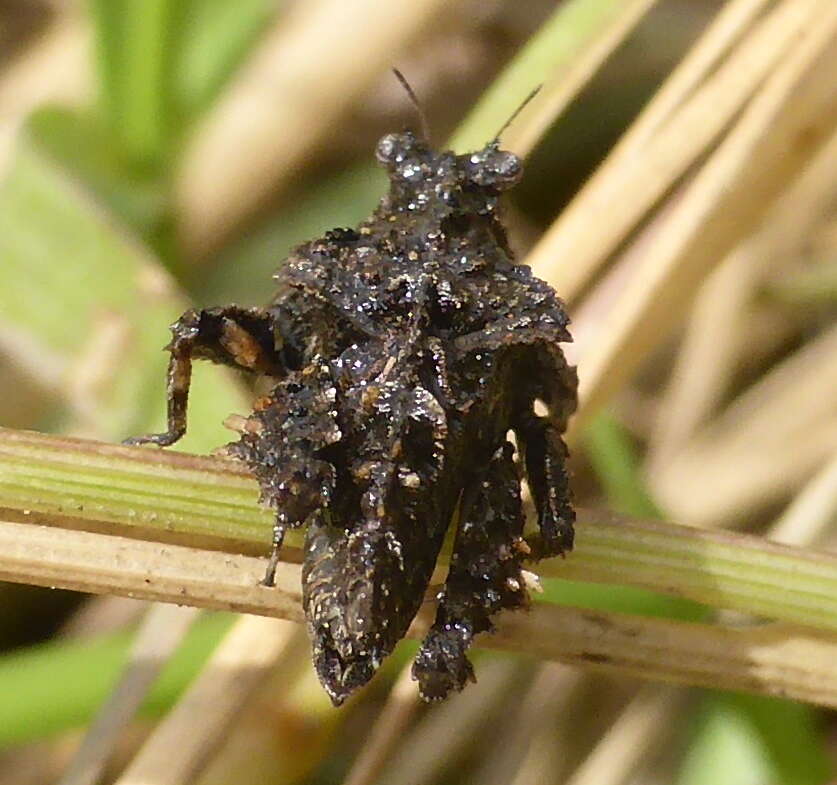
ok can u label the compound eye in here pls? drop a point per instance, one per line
(387, 149)
(496, 168)
(508, 168)
(392, 149)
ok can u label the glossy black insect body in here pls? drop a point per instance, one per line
(404, 351)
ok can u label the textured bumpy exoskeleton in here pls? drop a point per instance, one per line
(404, 351)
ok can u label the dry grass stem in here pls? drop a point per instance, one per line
(384, 736)
(630, 738)
(790, 116)
(57, 67)
(772, 659)
(764, 445)
(813, 513)
(282, 105)
(97, 564)
(715, 339)
(159, 635)
(562, 87)
(183, 743)
(775, 658)
(646, 166)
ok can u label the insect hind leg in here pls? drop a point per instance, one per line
(545, 455)
(484, 577)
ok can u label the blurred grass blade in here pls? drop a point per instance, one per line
(722, 204)
(387, 730)
(181, 746)
(721, 475)
(56, 686)
(239, 273)
(81, 144)
(160, 65)
(429, 745)
(635, 735)
(160, 634)
(716, 337)
(80, 299)
(615, 462)
(723, 34)
(290, 95)
(133, 59)
(56, 67)
(742, 739)
(814, 510)
(563, 55)
(726, 751)
(210, 39)
(162, 62)
(644, 166)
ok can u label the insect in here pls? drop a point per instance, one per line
(401, 354)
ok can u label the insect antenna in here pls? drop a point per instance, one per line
(425, 129)
(515, 113)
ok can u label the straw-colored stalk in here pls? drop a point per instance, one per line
(87, 485)
(793, 113)
(176, 753)
(304, 75)
(717, 339)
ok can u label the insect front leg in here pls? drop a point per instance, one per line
(230, 335)
(317, 479)
(484, 576)
(282, 443)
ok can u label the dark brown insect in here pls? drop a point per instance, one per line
(402, 353)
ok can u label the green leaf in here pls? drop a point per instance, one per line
(70, 278)
(57, 686)
(160, 63)
(749, 740)
(80, 142)
(134, 60)
(212, 39)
